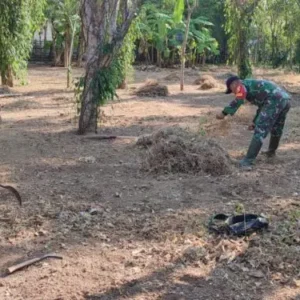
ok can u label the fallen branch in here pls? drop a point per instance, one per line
(109, 137)
(10, 95)
(27, 263)
(14, 191)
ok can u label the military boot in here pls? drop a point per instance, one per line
(253, 150)
(274, 143)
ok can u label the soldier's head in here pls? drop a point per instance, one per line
(232, 84)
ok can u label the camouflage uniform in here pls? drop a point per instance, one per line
(273, 105)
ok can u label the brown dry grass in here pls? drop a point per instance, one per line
(152, 88)
(176, 150)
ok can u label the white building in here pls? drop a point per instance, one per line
(45, 34)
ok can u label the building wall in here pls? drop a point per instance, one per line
(45, 34)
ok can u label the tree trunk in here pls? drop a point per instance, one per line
(183, 48)
(244, 65)
(159, 58)
(80, 49)
(240, 29)
(243, 58)
(105, 25)
(54, 54)
(152, 52)
(54, 37)
(7, 77)
(69, 72)
(204, 59)
(67, 47)
(88, 112)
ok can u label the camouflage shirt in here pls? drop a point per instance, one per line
(257, 92)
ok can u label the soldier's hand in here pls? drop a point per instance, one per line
(220, 116)
(251, 127)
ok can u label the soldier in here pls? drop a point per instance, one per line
(273, 105)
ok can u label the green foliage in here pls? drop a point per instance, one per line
(277, 29)
(271, 31)
(107, 80)
(201, 129)
(178, 11)
(162, 28)
(245, 69)
(297, 54)
(64, 17)
(238, 27)
(18, 21)
(126, 55)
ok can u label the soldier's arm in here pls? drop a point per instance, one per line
(239, 100)
(232, 108)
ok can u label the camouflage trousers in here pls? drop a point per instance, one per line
(271, 117)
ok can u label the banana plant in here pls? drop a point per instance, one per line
(178, 14)
(166, 33)
(155, 28)
(64, 15)
(196, 36)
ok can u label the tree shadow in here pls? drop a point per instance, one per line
(177, 281)
(47, 92)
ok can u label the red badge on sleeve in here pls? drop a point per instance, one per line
(241, 92)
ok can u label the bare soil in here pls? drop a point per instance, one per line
(125, 233)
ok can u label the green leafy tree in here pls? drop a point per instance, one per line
(213, 11)
(163, 28)
(18, 21)
(239, 17)
(64, 16)
(276, 31)
(178, 12)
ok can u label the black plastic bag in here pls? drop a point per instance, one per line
(237, 225)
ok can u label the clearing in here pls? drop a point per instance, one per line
(128, 234)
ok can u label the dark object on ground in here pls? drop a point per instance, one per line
(31, 261)
(237, 225)
(14, 191)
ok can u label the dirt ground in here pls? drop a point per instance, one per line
(127, 234)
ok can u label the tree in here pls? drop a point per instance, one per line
(70, 11)
(64, 16)
(105, 25)
(178, 13)
(276, 31)
(239, 17)
(213, 11)
(155, 23)
(162, 34)
(18, 21)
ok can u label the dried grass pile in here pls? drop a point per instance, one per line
(174, 150)
(206, 82)
(173, 77)
(152, 88)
